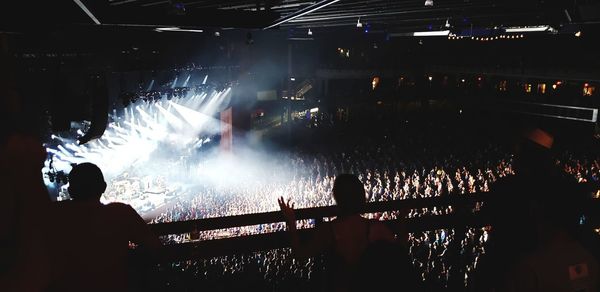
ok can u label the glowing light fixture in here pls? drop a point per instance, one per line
(375, 82)
(358, 23)
(431, 33)
(541, 28)
(162, 29)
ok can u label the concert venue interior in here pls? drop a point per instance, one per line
(472, 126)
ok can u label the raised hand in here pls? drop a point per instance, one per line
(287, 208)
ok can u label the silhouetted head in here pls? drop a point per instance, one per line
(349, 194)
(86, 182)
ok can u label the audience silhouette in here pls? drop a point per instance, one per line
(533, 216)
(25, 261)
(96, 238)
(346, 240)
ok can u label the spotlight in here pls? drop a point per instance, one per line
(447, 25)
(309, 32)
(359, 24)
(430, 78)
(429, 3)
(217, 34)
(578, 33)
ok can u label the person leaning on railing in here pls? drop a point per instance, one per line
(350, 240)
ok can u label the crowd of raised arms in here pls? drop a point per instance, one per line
(385, 176)
(384, 180)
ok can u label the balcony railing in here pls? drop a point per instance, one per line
(463, 216)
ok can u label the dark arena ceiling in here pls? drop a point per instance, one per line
(385, 15)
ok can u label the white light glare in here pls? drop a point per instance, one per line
(161, 29)
(529, 28)
(432, 33)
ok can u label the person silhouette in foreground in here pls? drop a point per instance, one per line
(351, 241)
(25, 263)
(96, 237)
(532, 246)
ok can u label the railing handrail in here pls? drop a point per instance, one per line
(311, 213)
(460, 218)
(274, 240)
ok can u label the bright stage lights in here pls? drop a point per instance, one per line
(132, 137)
